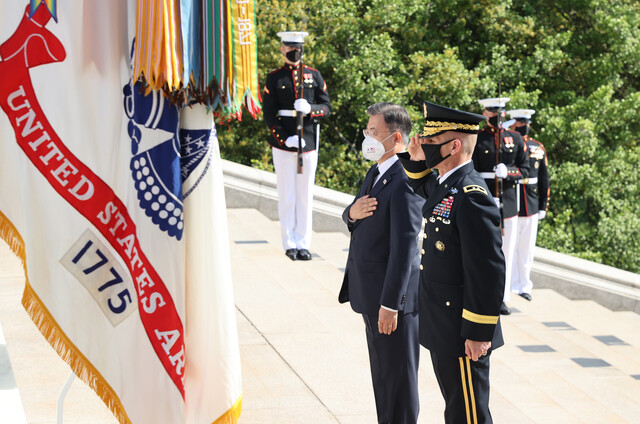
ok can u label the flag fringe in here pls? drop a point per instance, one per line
(232, 415)
(58, 340)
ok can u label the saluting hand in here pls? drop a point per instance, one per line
(363, 207)
(415, 149)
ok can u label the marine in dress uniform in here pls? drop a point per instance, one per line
(462, 266)
(534, 198)
(281, 104)
(512, 166)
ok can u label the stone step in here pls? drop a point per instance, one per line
(593, 330)
(304, 356)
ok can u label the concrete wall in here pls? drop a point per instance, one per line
(572, 277)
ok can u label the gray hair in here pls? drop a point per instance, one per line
(395, 116)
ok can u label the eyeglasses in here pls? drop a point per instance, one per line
(373, 134)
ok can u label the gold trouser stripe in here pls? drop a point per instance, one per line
(471, 394)
(417, 175)
(464, 389)
(479, 319)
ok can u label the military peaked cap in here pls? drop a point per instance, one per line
(494, 104)
(523, 115)
(440, 119)
(293, 38)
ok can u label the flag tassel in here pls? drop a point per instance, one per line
(45, 323)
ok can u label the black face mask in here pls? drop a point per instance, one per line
(524, 130)
(432, 153)
(294, 55)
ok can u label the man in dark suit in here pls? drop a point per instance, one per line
(381, 276)
(463, 268)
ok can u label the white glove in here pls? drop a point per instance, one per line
(501, 170)
(497, 200)
(292, 141)
(303, 106)
(542, 214)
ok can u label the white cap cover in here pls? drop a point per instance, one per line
(494, 102)
(521, 113)
(292, 37)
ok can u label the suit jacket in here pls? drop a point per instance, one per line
(383, 262)
(463, 267)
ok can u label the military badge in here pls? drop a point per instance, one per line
(536, 153)
(474, 187)
(308, 78)
(440, 246)
(508, 142)
(453, 190)
(443, 209)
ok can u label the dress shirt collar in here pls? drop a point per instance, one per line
(384, 166)
(445, 176)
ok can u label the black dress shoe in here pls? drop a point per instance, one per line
(304, 255)
(525, 295)
(504, 309)
(291, 254)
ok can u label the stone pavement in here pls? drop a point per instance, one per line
(304, 356)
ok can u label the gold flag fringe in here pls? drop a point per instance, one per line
(53, 333)
(232, 415)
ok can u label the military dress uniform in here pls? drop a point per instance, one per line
(514, 156)
(534, 198)
(462, 273)
(295, 191)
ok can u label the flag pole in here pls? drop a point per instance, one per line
(63, 393)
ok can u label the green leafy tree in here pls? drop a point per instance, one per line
(577, 62)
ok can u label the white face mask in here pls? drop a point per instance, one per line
(373, 149)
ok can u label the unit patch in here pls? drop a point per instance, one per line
(474, 187)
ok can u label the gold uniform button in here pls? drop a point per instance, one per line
(437, 229)
(423, 251)
(424, 235)
(425, 220)
(421, 267)
(448, 303)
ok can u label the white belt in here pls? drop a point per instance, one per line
(487, 175)
(533, 180)
(286, 112)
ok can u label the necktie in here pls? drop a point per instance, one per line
(375, 173)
